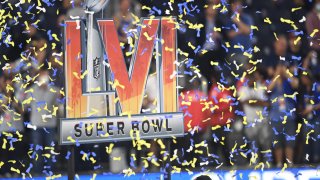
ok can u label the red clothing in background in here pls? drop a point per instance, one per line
(191, 104)
(222, 100)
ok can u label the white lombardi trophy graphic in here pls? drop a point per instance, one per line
(96, 79)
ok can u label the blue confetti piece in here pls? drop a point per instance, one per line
(68, 155)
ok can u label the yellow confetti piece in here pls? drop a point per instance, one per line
(176, 169)
(55, 37)
(299, 127)
(27, 28)
(314, 32)
(116, 84)
(248, 55)
(147, 36)
(254, 158)
(308, 136)
(84, 156)
(153, 161)
(193, 164)
(216, 127)
(295, 9)
(243, 146)
(93, 160)
(245, 120)
(292, 96)
(284, 167)
(93, 176)
(146, 8)
(217, 29)
(58, 62)
(46, 155)
(109, 149)
(162, 146)
(275, 35)
(116, 158)
(243, 155)
(69, 138)
(234, 147)
(289, 73)
(284, 120)
(4, 145)
(254, 27)
(53, 46)
(198, 151)
(213, 63)
(194, 26)
(54, 177)
(297, 40)
(128, 172)
(15, 170)
(44, 47)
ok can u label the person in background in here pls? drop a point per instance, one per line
(304, 99)
(43, 121)
(124, 25)
(37, 56)
(280, 52)
(149, 104)
(312, 24)
(311, 123)
(73, 9)
(310, 109)
(239, 25)
(210, 39)
(222, 116)
(124, 20)
(282, 92)
(11, 121)
(196, 119)
(298, 50)
(252, 95)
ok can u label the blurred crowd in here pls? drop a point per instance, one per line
(249, 85)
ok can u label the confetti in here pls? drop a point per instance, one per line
(247, 66)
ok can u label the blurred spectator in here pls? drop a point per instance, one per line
(150, 101)
(43, 120)
(56, 69)
(297, 49)
(239, 25)
(282, 112)
(192, 104)
(276, 11)
(252, 96)
(312, 24)
(280, 52)
(210, 40)
(221, 117)
(11, 121)
(299, 16)
(31, 30)
(196, 118)
(124, 25)
(74, 9)
(311, 125)
(11, 110)
(311, 64)
(35, 56)
(123, 20)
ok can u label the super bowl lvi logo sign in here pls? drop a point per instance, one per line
(103, 98)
